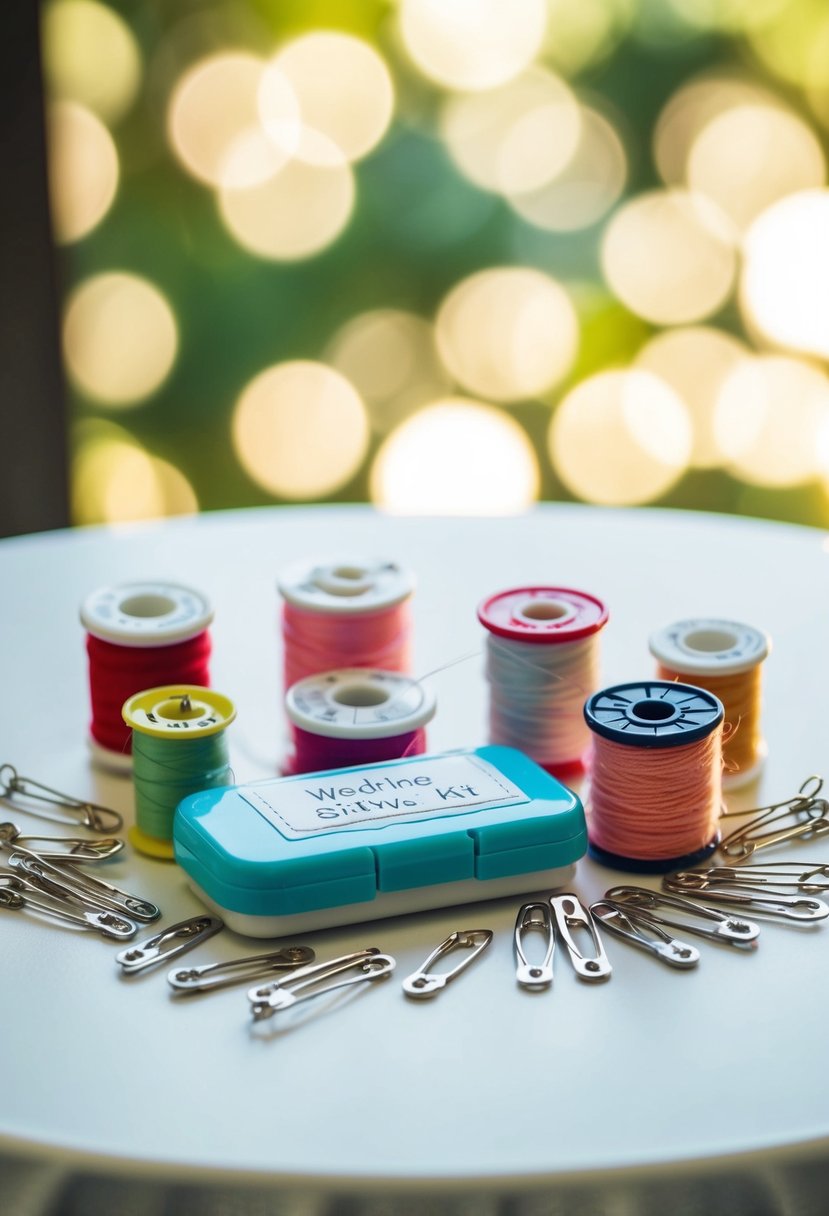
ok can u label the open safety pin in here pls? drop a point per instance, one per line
(749, 839)
(789, 907)
(731, 929)
(424, 983)
(75, 849)
(85, 888)
(168, 943)
(301, 985)
(90, 814)
(17, 895)
(570, 913)
(624, 922)
(237, 970)
(534, 918)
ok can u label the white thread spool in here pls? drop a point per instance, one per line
(542, 665)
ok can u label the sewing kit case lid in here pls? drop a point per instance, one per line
(319, 840)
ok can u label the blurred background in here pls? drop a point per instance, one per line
(448, 256)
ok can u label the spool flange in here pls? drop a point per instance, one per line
(545, 615)
(345, 586)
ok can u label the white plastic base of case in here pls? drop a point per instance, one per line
(390, 903)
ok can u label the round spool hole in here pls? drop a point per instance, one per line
(653, 711)
(545, 610)
(710, 641)
(359, 696)
(147, 605)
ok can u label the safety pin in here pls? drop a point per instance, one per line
(624, 922)
(570, 913)
(746, 840)
(731, 929)
(168, 943)
(90, 814)
(773, 875)
(221, 975)
(534, 918)
(81, 886)
(301, 985)
(423, 982)
(789, 907)
(75, 849)
(17, 895)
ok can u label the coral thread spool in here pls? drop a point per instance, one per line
(356, 716)
(179, 748)
(655, 775)
(139, 635)
(347, 613)
(542, 665)
(726, 658)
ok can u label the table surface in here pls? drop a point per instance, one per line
(487, 1082)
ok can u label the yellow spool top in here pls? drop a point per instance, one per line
(186, 711)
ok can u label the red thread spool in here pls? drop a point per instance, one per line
(339, 614)
(354, 717)
(542, 664)
(655, 790)
(140, 635)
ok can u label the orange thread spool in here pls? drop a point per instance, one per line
(655, 775)
(724, 657)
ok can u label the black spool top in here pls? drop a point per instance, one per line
(653, 713)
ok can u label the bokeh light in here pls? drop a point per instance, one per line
(620, 438)
(508, 333)
(695, 362)
(390, 357)
(750, 156)
(784, 291)
(300, 430)
(115, 480)
(590, 183)
(669, 257)
(342, 87)
(214, 126)
(119, 338)
(583, 33)
(456, 457)
(472, 44)
(83, 170)
(772, 420)
(91, 56)
(514, 138)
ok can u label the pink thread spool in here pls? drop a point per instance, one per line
(356, 716)
(655, 791)
(351, 613)
(542, 664)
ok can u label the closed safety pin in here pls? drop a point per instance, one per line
(168, 943)
(237, 970)
(534, 918)
(423, 982)
(771, 875)
(85, 888)
(18, 895)
(90, 814)
(749, 839)
(307, 982)
(624, 922)
(570, 913)
(731, 929)
(74, 848)
(788, 907)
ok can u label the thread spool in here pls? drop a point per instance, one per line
(655, 790)
(179, 748)
(725, 657)
(542, 664)
(356, 716)
(139, 635)
(347, 613)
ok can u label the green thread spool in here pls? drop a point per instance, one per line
(179, 747)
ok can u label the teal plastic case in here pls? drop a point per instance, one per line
(294, 854)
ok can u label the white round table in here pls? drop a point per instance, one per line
(656, 1091)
